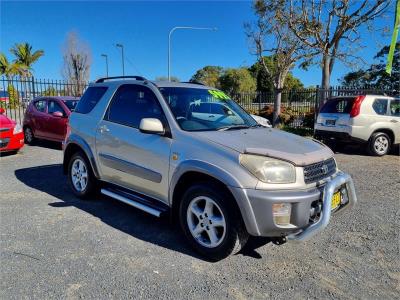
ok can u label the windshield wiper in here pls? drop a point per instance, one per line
(232, 127)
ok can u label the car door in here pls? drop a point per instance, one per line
(56, 125)
(128, 157)
(38, 117)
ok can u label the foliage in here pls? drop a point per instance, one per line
(331, 29)
(165, 78)
(13, 96)
(271, 34)
(264, 82)
(286, 116)
(375, 76)
(50, 91)
(209, 75)
(235, 81)
(308, 132)
(25, 57)
(9, 69)
(309, 119)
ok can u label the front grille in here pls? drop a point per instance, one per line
(319, 170)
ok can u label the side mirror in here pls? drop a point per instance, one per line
(2, 111)
(151, 126)
(58, 114)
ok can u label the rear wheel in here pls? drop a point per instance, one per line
(80, 176)
(379, 144)
(211, 222)
(28, 136)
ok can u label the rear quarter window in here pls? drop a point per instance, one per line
(338, 105)
(380, 106)
(89, 99)
(395, 108)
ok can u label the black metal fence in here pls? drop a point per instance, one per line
(17, 92)
(298, 106)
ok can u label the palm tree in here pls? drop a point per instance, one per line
(25, 56)
(10, 69)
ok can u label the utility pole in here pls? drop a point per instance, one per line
(123, 59)
(106, 57)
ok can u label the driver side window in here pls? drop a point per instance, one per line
(131, 103)
(53, 106)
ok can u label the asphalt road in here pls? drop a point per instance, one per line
(56, 246)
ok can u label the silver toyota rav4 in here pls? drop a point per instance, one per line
(189, 151)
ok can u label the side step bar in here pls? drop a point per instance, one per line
(132, 202)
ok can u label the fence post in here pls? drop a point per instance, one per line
(316, 107)
(33, 87)
(259, 102)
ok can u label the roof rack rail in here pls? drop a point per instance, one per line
(120, 77)
(194, 82)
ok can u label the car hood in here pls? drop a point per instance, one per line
(272, 143)
(6, 122)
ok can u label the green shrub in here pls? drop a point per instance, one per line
(13, 97)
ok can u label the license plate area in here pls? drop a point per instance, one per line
(336, 200)
(330, 122)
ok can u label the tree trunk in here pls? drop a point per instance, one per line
(326, 76)
(277, 107)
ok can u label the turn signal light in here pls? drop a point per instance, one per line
(281, 213)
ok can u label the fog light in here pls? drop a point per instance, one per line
(281, 213)
(345, 196)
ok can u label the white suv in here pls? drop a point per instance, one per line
(369, 119)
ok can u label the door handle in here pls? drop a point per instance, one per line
(394, 121)
(103, 129)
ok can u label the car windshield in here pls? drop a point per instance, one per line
(71, 104)
(205, 110)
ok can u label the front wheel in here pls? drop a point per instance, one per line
(28, 136)
(211, 222)
(379, 144)
(80, 176)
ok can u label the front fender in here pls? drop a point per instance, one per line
(226, 178)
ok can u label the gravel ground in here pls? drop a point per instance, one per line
(56, 246)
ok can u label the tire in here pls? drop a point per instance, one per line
(219, 235)
(80, 176)
(29, 136)
(379, 144)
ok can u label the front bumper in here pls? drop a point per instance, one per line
(12, 142)
(256, 208)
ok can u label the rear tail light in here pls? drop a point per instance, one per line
(355, 110)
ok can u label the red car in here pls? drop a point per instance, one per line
(47, 118)
(11, 135)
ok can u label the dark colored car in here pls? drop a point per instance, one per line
(11, 135)
(47, 118)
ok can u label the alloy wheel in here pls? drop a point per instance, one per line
(206, 222)
(79, 175)
(381, 145)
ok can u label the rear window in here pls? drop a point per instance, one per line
(89, 99)
(338, 105)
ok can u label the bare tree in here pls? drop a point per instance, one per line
(271, 35)
(324, 24)
(77, 60)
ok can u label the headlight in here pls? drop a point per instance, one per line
(17, 129)
(268, 169)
